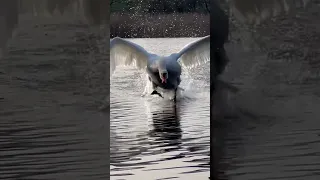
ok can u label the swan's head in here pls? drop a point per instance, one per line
(163, 73)
(163, 76)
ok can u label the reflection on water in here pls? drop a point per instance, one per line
(150, 136)
(166, 125)
(275, 134)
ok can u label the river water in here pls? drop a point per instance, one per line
(155, 138)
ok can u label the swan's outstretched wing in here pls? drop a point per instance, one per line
(195, 53)
(123, 52)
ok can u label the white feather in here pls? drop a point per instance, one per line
(195, 53)
(124, 53)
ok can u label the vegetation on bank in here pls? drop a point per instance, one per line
(159, 25)
(159, 18)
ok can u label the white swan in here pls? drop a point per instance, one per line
(163, 72)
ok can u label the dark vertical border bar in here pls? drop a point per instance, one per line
(28, 99)
(219, 31)
(108, 12)
(98, 12)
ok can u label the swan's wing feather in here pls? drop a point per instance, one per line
(195, 53)
(123, 52)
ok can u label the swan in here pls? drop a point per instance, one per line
(162, 71)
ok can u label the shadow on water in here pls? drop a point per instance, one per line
(274, 55)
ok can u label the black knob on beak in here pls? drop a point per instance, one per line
(165, 75)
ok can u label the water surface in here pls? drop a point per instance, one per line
(155, 138)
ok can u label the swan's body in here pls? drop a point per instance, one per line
(163, 72)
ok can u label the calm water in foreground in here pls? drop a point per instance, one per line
(153, 137)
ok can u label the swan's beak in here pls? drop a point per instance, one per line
(164, 77)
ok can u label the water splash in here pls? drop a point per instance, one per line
(189, 89)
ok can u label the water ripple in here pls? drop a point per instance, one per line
(150, 135)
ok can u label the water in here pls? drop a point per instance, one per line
(155, 138)
(273, 132)
(52, 82)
